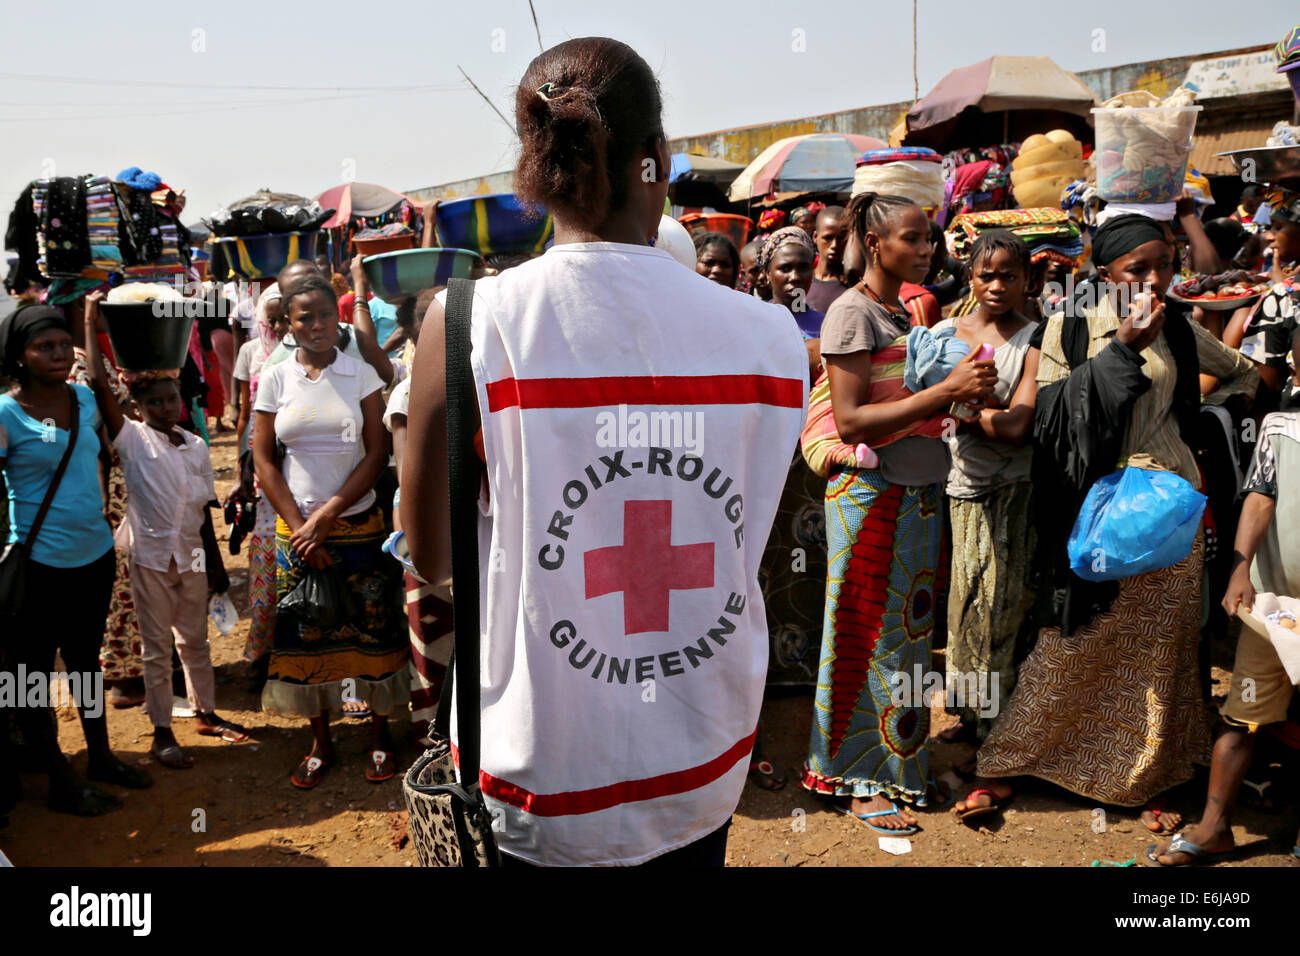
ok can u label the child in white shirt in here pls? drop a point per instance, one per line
(168, 534)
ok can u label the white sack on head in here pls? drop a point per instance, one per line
(918, 181)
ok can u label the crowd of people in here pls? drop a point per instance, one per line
(942, 417)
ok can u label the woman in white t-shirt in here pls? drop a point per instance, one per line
(637, 426)
(325, 409)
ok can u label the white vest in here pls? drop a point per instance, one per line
(638, 423)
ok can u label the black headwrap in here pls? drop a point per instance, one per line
(18, 329)
(1123, 234)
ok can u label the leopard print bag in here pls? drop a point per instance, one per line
(449, 826)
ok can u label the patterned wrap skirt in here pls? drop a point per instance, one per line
(312, 669)
(988, 600)
(869, 733)
(792, 576)
(1114, 712)
(262, 570)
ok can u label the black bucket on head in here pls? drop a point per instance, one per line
(152, 336)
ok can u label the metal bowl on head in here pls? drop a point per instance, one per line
(410, 271)
(1266, 164)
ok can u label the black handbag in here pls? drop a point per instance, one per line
(450, 824)
(13, 563)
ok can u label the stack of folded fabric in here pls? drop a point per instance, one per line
(1050, 233)
(103, 220)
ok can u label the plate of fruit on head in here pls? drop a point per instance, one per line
(1219, 293)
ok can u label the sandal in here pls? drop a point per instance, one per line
(363, 714)
(210, 725)
(308, 773)
(171, 755)
(1178, 844)
(893, 810)
(971, 812)
(763, 775)
(383, 766)
(86, 801)
(119, 699)
(133, 778)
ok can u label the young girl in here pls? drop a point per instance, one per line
(883, 527)
(989, 489)
(168, 527)
(270, 327)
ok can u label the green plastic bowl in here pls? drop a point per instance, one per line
(411, 271)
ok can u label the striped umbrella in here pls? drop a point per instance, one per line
(814, 162)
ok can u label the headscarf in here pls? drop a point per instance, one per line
(18, 328)
(266, 337)
(1123, 234)
(784, 236)
(1282, 204)
(771, 219)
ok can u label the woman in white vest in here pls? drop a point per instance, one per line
(638, 422)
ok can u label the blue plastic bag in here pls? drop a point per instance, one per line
(1132, 522)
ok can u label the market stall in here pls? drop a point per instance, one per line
(369, 218)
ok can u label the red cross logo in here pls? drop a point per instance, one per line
(647, 566)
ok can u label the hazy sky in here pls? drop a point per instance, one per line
(185, 89)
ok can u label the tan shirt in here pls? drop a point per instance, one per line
(1151, 439)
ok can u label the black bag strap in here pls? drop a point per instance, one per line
(50, 492)
(463, 484)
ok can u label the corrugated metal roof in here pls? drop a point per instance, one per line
(1238, 134)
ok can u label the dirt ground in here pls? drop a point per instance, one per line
(236, 807)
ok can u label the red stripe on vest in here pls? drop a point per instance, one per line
(602, 798)
(645, 390)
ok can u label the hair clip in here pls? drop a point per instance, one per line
(544, 91)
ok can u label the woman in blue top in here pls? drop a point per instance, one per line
(71, 565)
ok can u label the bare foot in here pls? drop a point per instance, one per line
(999, 788)
(1158, 818)
(898, 820)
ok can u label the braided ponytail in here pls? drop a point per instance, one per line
(871, 212)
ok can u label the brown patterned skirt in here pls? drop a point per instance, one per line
(1114, 712)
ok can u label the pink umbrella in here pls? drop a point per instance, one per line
(361, 200)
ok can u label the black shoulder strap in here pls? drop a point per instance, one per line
(73, 428)
(463, 482)
(1074, 338)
